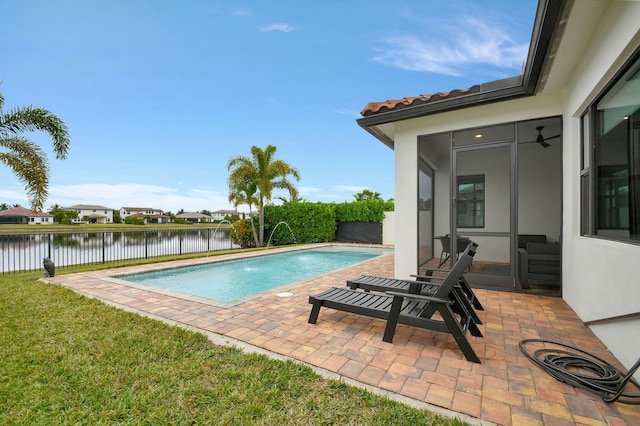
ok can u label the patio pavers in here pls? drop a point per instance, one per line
(424, 366)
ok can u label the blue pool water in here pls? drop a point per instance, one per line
(230, 280)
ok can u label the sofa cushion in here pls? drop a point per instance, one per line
(524, 239)
(543, 248)
(544, 258)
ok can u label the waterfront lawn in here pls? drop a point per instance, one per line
(69, 359)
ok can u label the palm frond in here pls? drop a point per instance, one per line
(29, 163)
(29, 119)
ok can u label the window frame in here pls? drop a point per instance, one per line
(590, 207)
(463, 205)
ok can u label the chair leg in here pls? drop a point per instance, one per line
(442, 262)
(458, 334)
(392, 321)
(315, 310)
(462, 303)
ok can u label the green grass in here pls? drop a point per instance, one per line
(69, 359)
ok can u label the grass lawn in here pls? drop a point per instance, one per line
(69, 359)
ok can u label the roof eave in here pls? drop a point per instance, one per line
(489, 92)
(547, 17)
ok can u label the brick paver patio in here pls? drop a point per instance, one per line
(420, 367)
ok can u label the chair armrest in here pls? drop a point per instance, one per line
(422, 283)
(431, 270)
(424, 278)
(419, 297)
(429, 276)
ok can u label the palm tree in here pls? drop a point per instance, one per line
(264, 172)
(25, 158)
(294, 197)
(366, 195)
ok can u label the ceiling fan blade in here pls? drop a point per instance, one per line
(552, 137)
(542, 143)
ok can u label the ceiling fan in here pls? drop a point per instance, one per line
(541, 139)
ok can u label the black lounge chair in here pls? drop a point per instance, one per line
(462, 293)
(462, 303)
(462, 283)
(410, 309)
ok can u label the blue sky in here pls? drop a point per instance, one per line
(158, 95)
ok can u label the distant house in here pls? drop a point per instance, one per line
(22, 216)
(195, 217)
(150, 215)
(222, 214)
(88, 213)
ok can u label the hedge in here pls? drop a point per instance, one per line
(317, 222)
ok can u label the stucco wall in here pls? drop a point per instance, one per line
(389, 228)
(406, 191)
(600, 277)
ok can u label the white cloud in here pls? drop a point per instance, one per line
(285, 28)
(472, 42)
(240, 12)
(349, 112)
(136, 195)
(306, 191)
(354, 189)
(165, 198)
(338, 193)
(14, 195)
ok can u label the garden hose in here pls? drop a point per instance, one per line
(601, 377)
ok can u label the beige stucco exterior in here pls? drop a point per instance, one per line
(600, 277)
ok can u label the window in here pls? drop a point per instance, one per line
(610, 174)
(470, 196)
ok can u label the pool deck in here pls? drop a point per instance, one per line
(422, 368)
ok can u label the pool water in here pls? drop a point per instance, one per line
(234, 279)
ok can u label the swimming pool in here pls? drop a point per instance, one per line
(230, 280)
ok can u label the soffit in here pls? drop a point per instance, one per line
(574, 34)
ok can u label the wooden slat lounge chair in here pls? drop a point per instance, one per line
(462, 303)
(462, 282)
(411, 309)
(462, 294)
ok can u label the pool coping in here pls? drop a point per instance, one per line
(175, 264)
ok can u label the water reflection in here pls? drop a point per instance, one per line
(26, 251)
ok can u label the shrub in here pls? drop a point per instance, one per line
(241, 234)
(317, 222)
(309, 222)
(363, 211)
(134, 221)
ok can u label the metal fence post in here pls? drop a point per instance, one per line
(104, 260)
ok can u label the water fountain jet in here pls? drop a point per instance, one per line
(274, 230)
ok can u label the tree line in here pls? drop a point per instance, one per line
(252, 178)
